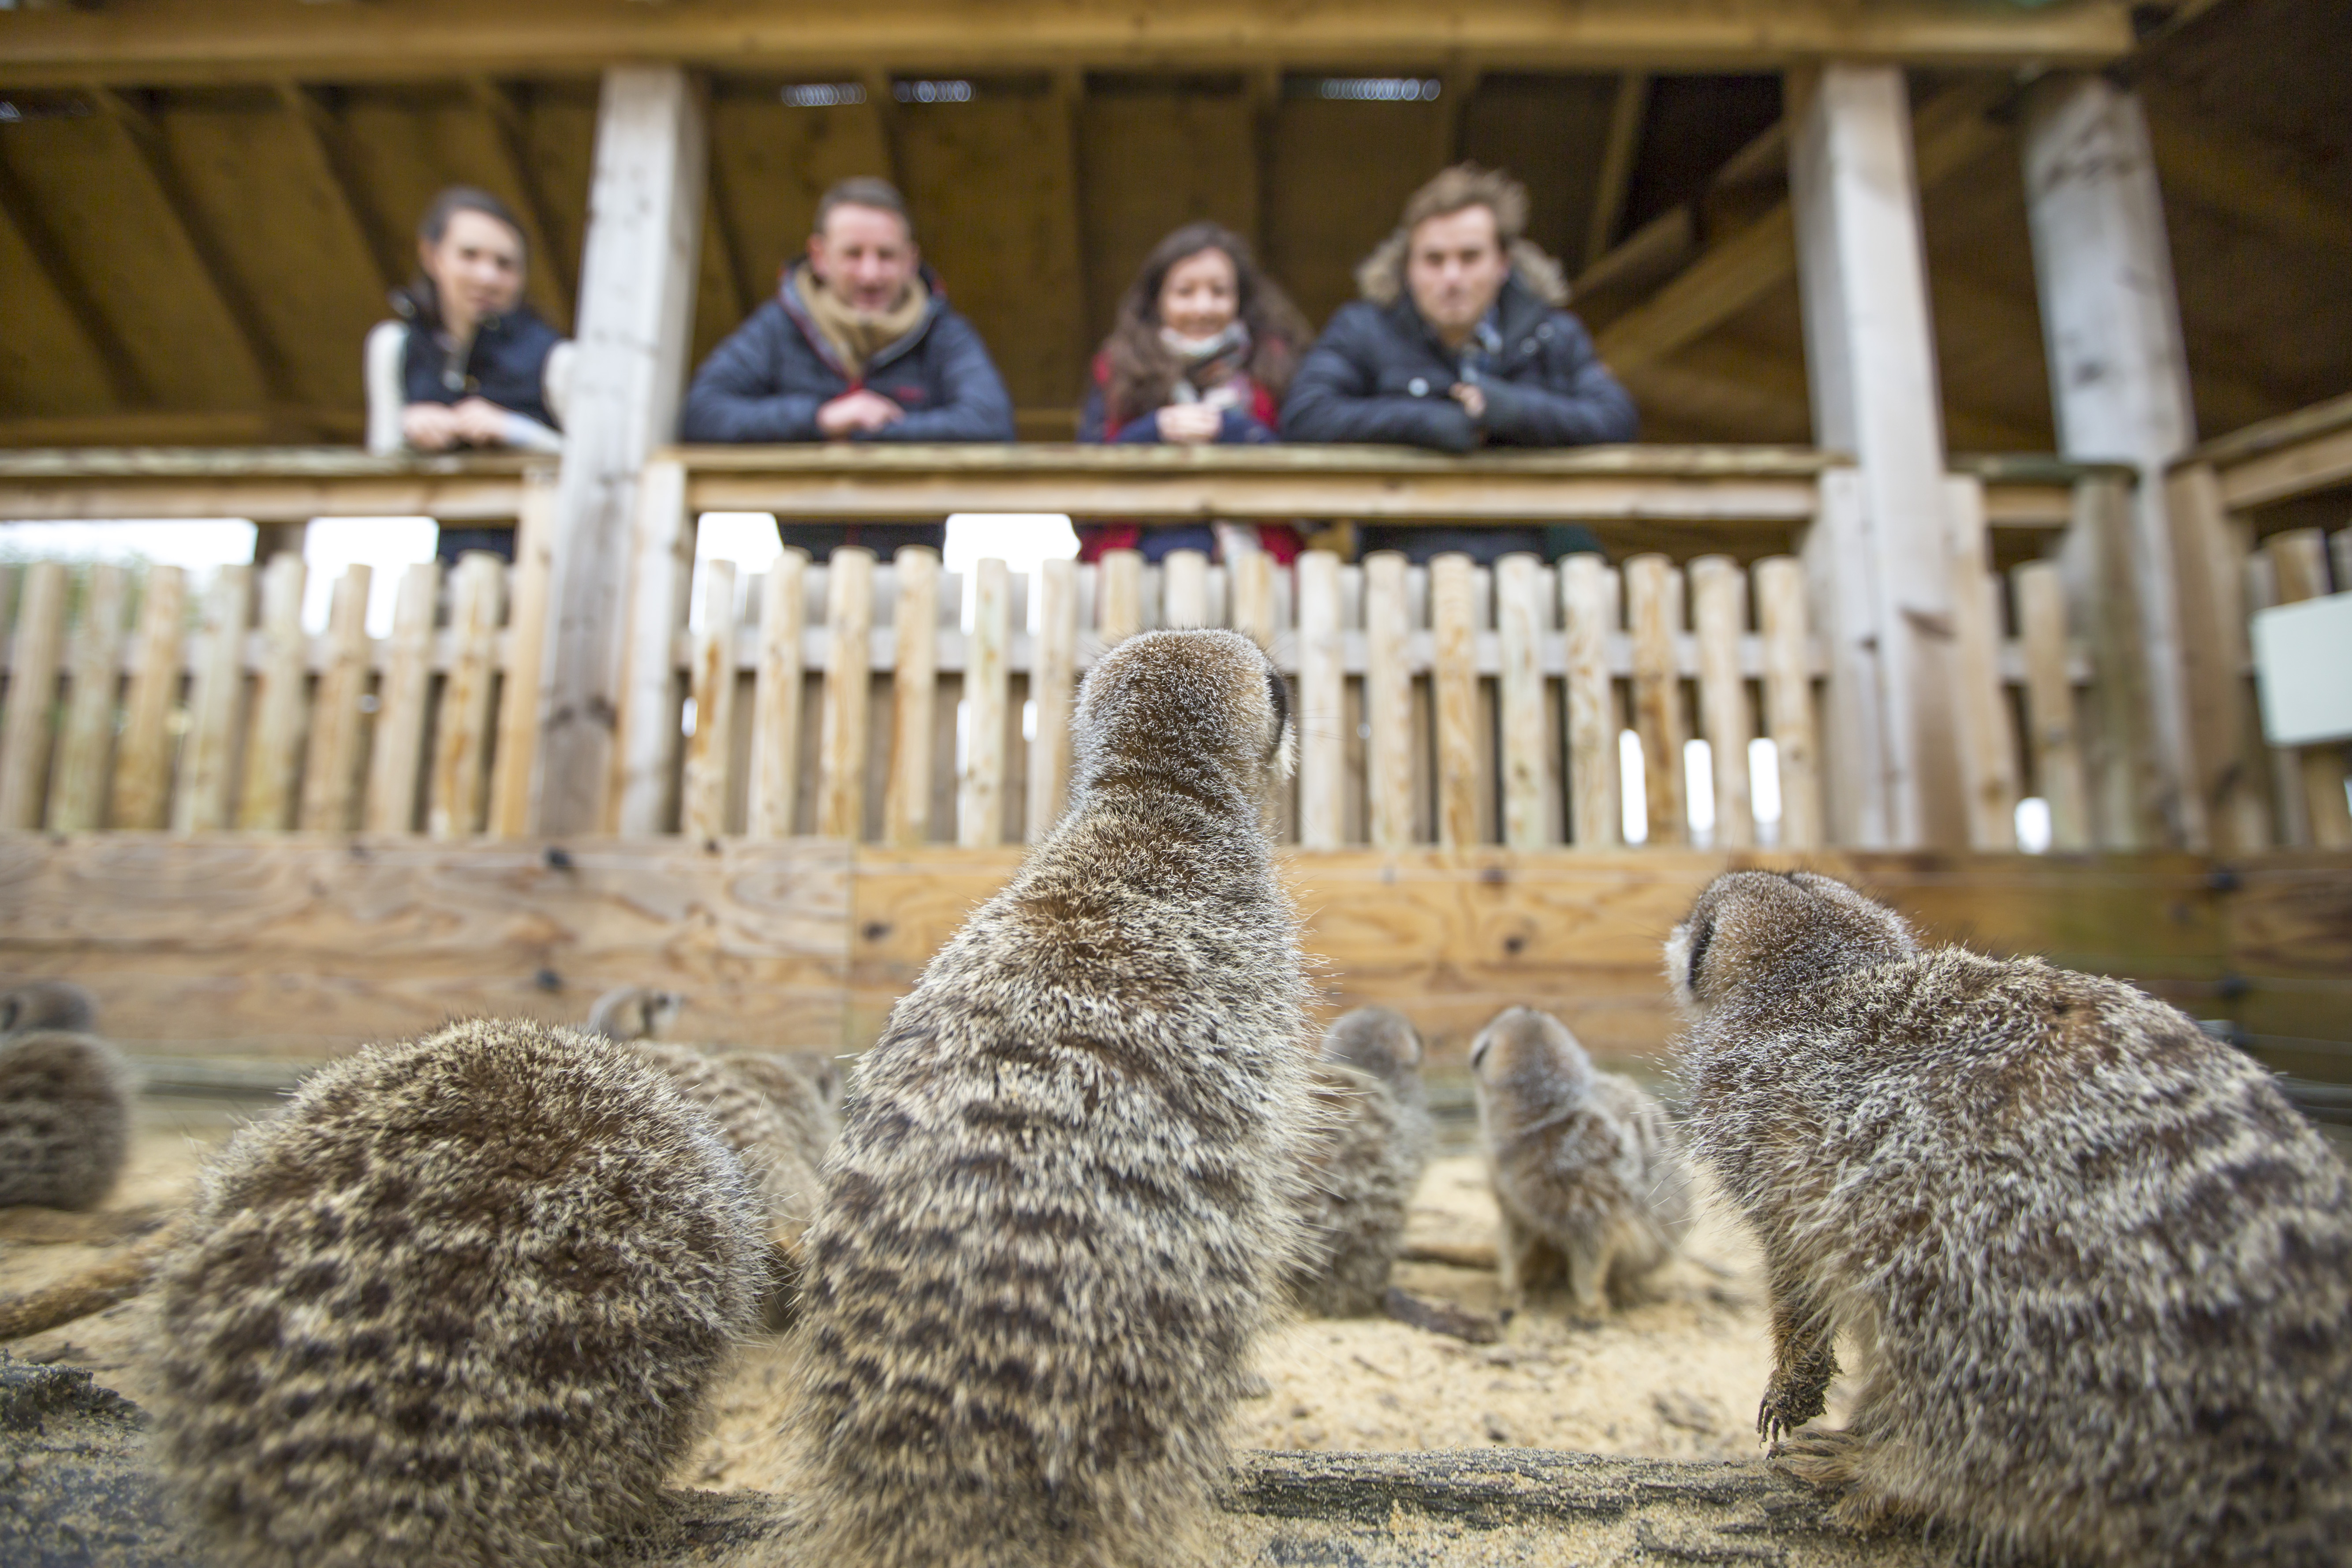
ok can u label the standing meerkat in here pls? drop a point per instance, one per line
(2097, 1270)
(1060, 1206)
(1587, 1168)
(459, 1302)
(1362, 1161)
(64, 1099)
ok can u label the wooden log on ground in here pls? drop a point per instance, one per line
(1587, 611)
(1789, 718)
(1052, 683)
(1720, 620)
(841, 747)
(273, 753)
(907, 793)
(397, 754)
(208, 760)
(142, 764)
(776, 698)
(1453, 677)
(979, 788)
(702, 797)
(2298, 560)
(2055, 742)
(1654, 603)
(36, 651)
(1521, 622)
(522, 686)
(1388, 702)
(1322, 707)
(330, 774)
(86, 749)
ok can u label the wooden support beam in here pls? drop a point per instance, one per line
(1617, 154)
(554, 272)
(660, 576)
(147, 152)
(2208, 556)
(124, 377)
(2118, 370)
(326, 146)
(1457, 85)
(744, 293)
(890, 126)
(2215, 165)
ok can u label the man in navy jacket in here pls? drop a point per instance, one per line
(858, 345)
(1460, 342)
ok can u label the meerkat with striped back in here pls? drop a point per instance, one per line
(1363, 1159)
(64, 1099)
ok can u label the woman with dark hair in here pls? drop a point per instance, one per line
(1202, 352)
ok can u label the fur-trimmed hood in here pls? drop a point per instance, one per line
(1381, 277)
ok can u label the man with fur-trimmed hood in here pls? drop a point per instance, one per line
(1459, 341)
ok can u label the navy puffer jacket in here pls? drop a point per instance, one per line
(768, 380)
(1380, 374)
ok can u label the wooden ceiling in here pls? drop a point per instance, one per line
(185, 260)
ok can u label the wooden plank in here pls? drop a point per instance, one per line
(1988, 747)
(1053, 686)
(94, 673)
(1843, 609)
(2206, 568)
(36, 652)
(2125, 786)
(660, 582)
(841, 765)
(2321, 463)
(1388, 701)
(522, 688)
(981, 791)
(396, 755)
(273, 749)
(1789, 719)
(702, 799)
(125, 377)
(1720, 618)
(776, 698)
(1586, 611)
(906, 800)
(1522, 623)
(1185, 589)
(330, 774)
(510, 150)
(1252, 599)
(1119, 608)
(143, 766)
(461, 729)
(2298, 560)
(1454, 678)
(1617, 154)
(2281, 774)
(2053, 737)
(1322, 706)
(1654, 606)
(325, 145)
(215, 706)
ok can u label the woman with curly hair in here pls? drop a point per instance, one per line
(1202, 352)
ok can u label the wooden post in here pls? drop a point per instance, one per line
(143, 766)
(2208, 563)
(849, 685)
(1654, 610)
(1520, 622)
(1586, 607)
(1453, 615)
(461, 732)
(34, 653)
(1789, 716)
(330, 774)
(1185, 589)
(2299, 565)
(2127, 790)
(987, 672)
(1388, 701)
(2118, 373)
(776, 698)
(398, 751)
(1720, 618)
(274, 753)
(1322, 682)
(915, 678)
(77, 794)
(1870, 350)
(1251, 589)
(208, 760)
(702, 796)
(636, 299)
(1987, 748)
(660, 583)
(1118, 588)
(2055, 742)
(521, 687)
(1052, 686)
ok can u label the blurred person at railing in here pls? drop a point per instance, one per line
(1202, 352)
(1461, 340)
(858, 344)
(468, 364)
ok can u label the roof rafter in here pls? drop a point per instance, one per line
(323, 140)
(124, 378)
(510, 149)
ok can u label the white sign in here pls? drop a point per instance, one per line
(2303, 664)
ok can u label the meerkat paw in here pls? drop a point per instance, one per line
(1786, 1407)
(1823, 1458)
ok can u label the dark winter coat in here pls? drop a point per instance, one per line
(1379, 373)
(507, 364)
(768, 380)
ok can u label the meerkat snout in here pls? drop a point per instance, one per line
(635, 1013)
(1794, 927)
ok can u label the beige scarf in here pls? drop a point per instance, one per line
(855, 335)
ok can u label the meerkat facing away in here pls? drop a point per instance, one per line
(635, 1013)
(65, 1118)
(1059, 1209)
(459, 1302)
(1586, 1166)
(46, 1005)
(1363, 1159)
(2097, 1269)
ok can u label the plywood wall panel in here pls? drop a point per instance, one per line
(1151, 160)
(1341, 172)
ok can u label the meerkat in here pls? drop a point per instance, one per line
(46, 1005)
(635, 1013)
(1362, 1161)
(459, 1302)
(1060, 1207)
(64, 1104)
(1587, 1169)
(2096, 1270)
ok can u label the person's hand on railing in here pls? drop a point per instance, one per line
(429, 427)
(1190, 422)
(1473, 400)
(859, 413)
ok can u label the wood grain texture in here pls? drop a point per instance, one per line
(776, 698)
(1988, 744)
(1529, 771)
(702, 792)
(1388, 702)
(1654, 612)
(841, 760)
(1454, 678)
(522, 691)
(281, 695)
(981, 791)
(36, 651)
(1586, 610)
(142, 764)
(1053, 686)
(396, 758)
(215, 706)
(1118, 596)
(86, 745)
(1718, 620)
(331, 773)
(1185, 589)
(907, 790)
(1321, 710)
(2052, 735)
(1788, 711)
(462, 729)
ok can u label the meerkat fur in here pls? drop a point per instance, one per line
(46, 1005)
(635, 1013)
(1362, 1158)
(2094, 1268)
(65, 1117)
(1587, 1168)
(1061, 1205)
(459, 1302)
